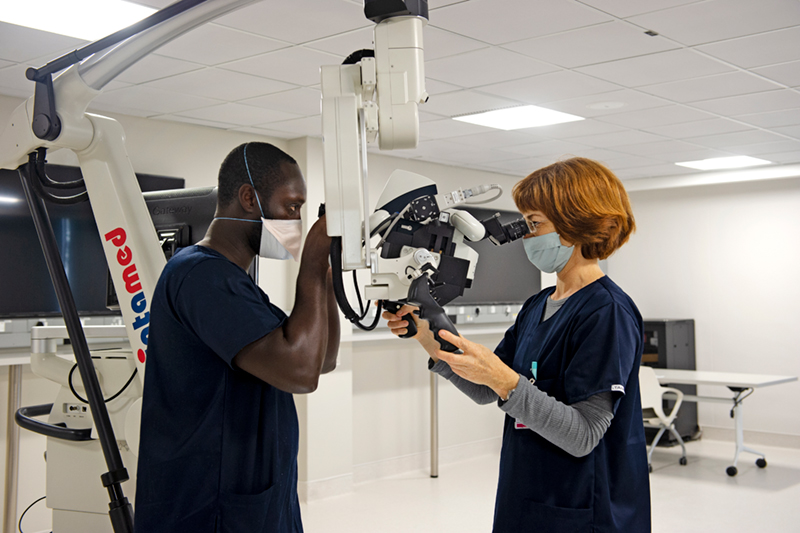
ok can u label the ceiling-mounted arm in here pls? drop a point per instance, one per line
(132, 44)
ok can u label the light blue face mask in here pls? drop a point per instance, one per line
(547, 253)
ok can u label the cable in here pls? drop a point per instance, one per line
(391, 227)
(112, 398)
(19, 524)
(481, 189)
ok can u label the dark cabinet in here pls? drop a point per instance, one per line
(670, 344)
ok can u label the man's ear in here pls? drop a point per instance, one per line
(247, 199)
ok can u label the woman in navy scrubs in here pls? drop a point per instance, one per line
(566, 373)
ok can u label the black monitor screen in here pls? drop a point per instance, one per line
(503, 273)
(26, 290)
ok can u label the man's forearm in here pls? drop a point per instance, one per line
(334, 329)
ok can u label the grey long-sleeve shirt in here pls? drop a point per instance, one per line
(576, 428)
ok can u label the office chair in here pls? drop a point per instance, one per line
(652, 393)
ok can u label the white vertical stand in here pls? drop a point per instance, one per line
(12, 449)
(434, 425)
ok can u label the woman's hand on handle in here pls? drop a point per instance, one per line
(398, 324)
(478, 364)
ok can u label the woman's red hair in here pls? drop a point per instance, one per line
(584, 200)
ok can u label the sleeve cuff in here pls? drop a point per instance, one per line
(520, 391)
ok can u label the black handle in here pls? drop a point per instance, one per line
(24, 420)
(394, 307)
(429, 309)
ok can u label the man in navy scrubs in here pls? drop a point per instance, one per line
(566, 373)
(219, 436)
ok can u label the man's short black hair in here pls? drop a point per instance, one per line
(264, 161)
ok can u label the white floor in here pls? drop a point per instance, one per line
(698, 497)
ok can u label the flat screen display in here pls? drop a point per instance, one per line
(26, 290)
(503, 274)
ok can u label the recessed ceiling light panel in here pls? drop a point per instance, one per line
(717, 163)
(83, 19)
(515, 118)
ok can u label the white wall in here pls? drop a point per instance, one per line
(726, 256)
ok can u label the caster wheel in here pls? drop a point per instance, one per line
(683, 461)
(731, 471)
(761, 462)
(650, 468)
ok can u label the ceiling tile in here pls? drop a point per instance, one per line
(297, 21)
(618, 139)
(631, 161)
(154, 67)
(300, 101)
(154, 101)
(552, 148)
(438, 87)
(345, 44)
(503, 21)
(19, 44)
(666, 169)
(195, 121)
(440, 43)
(212, 44)
(265, 132)
(759, 50)
(220, 84)
(238, 114)
(757, 150)
(628, 8)
(752, 103)
(494, 139)
(687, 130)
(786, 73)
(609, 42)
(441, 129)
(786, 117)
(484, 67)
(694, 155)
(293, 65)
(310, 126)
(548, 87)
(631, 100)
(730, 141)
(656, 68)
(715, 20)
(792, 156)
(791, 131)
(464, 102)
(708, 87)
(656, 116)
(579, 128)
(658, 148)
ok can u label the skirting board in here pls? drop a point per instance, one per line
(752, 437)
(364, 473)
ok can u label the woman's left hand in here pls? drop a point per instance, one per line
(478, 364)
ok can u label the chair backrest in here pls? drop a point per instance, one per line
(650, 389)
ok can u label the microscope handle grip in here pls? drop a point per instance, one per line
(411, 328)
(429, 309)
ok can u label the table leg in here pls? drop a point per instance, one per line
(739, 425)
(12, 449)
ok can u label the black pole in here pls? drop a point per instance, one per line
(120, 510)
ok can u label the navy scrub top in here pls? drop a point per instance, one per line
(592, 344)
(218, 447)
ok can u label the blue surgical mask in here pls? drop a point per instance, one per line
(547, 253)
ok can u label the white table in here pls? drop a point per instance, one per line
(741, 385)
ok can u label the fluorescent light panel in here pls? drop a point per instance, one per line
(716, 163)
(83, 19)
(9, 200)
(515, 118)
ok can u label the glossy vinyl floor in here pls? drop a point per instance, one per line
(698, 497)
